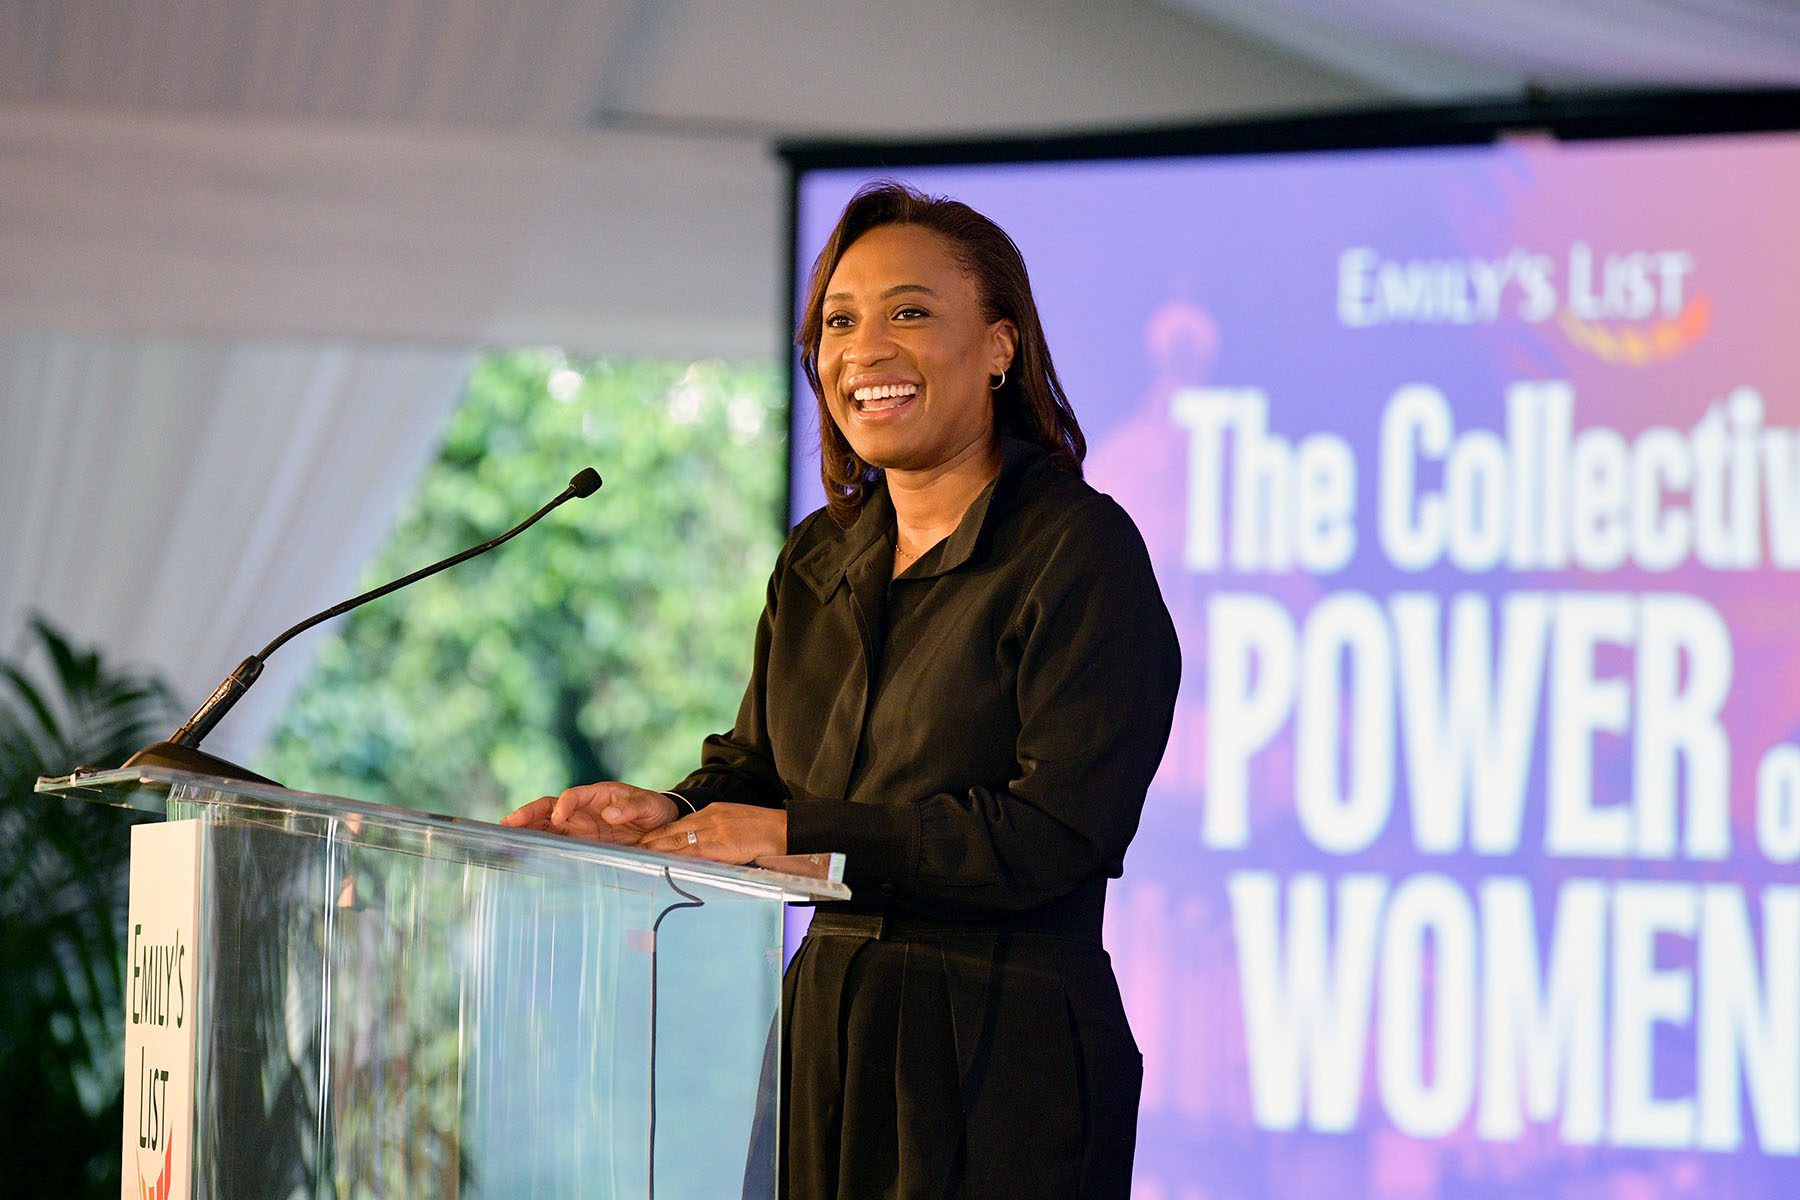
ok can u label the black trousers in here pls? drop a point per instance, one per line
(925, 1060)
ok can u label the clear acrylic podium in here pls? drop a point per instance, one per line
(396, 1004)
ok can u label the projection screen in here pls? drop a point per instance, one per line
(1471, 475)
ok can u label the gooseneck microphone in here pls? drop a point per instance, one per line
(182, 750)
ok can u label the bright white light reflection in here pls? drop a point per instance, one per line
(745, 416)
(564, 383)
(685, 399)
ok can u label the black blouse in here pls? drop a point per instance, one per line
(978, 734)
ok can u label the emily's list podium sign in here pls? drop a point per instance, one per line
(163, 922)
(368, 1001)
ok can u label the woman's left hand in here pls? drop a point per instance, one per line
(724, 833)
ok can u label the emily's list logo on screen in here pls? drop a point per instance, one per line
(1633, 307)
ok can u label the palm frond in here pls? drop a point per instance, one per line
(63, 870)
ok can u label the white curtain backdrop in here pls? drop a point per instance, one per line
(181, 501)
(228, 347)
(247, 248)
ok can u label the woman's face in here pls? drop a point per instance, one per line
(905, 353)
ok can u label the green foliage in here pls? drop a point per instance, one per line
(63, 871)
(606, 642)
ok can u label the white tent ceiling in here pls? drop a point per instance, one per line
(1451, 49)
(298, 218)
(598, 172)
(763, 68)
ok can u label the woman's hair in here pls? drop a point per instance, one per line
(1030, 404)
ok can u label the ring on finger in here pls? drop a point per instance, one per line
(693, 838)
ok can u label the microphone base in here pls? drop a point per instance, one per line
(171, 756)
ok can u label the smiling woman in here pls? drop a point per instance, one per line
(946, 265)
(963, 679)
(905, 356)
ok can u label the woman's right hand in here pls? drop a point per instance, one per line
(599, 812)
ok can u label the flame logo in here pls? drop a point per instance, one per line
(1641, 345)
(159, 1190)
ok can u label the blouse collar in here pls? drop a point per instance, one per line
(826, 564)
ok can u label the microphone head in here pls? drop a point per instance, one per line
(586, 482)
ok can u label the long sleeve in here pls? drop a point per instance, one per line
(1094, 667)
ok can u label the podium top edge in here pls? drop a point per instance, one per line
(150, 789)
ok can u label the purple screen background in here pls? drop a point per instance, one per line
(1160, 278)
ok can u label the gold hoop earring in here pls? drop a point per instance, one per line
(994, 387)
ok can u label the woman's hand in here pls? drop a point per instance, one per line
(599, 812)
(724, 833)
